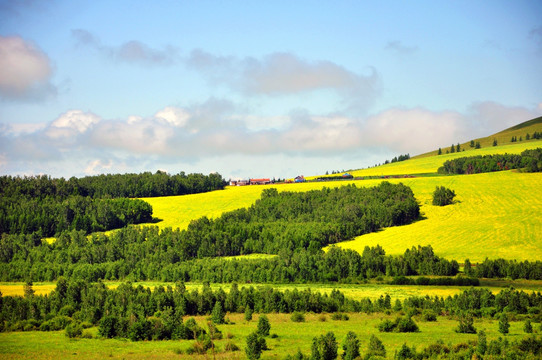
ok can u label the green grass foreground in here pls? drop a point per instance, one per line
(290, 337)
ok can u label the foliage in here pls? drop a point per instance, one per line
(297, 317)
(443, 196)
(218, 314)
(530, 160)
(351, 346)
(401, 325)
(324, 347)
(376, 347)
(255, 344)
(466, 325)
(263, 325)
(504, 325)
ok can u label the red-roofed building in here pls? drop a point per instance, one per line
(259, 181)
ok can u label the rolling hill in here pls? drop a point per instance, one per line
(497, 215)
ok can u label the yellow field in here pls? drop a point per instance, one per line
(353, 291)
(497, 215)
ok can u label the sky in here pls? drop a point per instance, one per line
(257, 89)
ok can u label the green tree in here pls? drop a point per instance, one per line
(324, 347)
(263, 325)
(255, 345)
(472, 143)
(439, 151)
(457, 148)
(528, 327)
(248, 313)
(376, 347)
(467, 267)
(478, 146)
(494, 142)
(466, 325)
(351, 346)
(218, 315)
(405, 353)
(443, 196)
(504, 325)
(481, 346)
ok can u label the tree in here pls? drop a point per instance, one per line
(481, 346)
(466, 325)
(478, 146)
(217, 315)
(376, 347)
(263, 325)
(452, 149)
(255, 345)
(467, 267)
(528, 327)
(458, 148)
(351, 346)
(443, 196)
(439, 151)
(28, 290)
(405, 353)
(504, 325)
(248, 313)
(472, 143)
(324, 347)
(494, 142)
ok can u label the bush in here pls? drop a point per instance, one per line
(466, 325)
(297, 317)
(74, 330)
(339, 316)
(230, 346)
(429, 315)
(443, 196)
(263, 325)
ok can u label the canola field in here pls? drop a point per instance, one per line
(497, 215)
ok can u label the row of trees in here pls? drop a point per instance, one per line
(111, 185)
(148, 254)
(529, 160)
(51, 216)
(398, 158)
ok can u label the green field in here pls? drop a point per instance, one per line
(290, 337)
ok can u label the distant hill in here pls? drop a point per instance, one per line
(503, 137)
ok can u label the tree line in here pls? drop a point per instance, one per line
(96, 203)
(144, 184)
(529, 160)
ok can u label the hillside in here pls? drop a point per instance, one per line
(503, 137)
(496, 214)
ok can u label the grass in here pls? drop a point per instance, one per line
(290, 338)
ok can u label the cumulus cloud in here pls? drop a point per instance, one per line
(131, 52)
(25, 71)
(284, 74)
(71, 124)
(215, 130)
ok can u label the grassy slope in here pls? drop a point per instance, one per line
(290, 337)
(497, 214)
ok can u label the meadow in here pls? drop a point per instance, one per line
(290, 337)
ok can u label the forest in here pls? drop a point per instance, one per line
(48, 206)
(528, 160)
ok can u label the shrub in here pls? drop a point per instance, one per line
(263, 325)
(443, 196)
(255, 345)
(297, 317)
(230, 346)
(339, 316)
(429, 315)
(73, 330)
(466, 325)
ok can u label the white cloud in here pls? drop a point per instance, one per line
(175, 116)
(71, 123)
(284, 74)
(212, 132)
(25, 71)
(98, 166)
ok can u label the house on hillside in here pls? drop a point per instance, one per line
(260, 181)
(299, 179)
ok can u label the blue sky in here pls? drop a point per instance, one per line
(257, 89)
